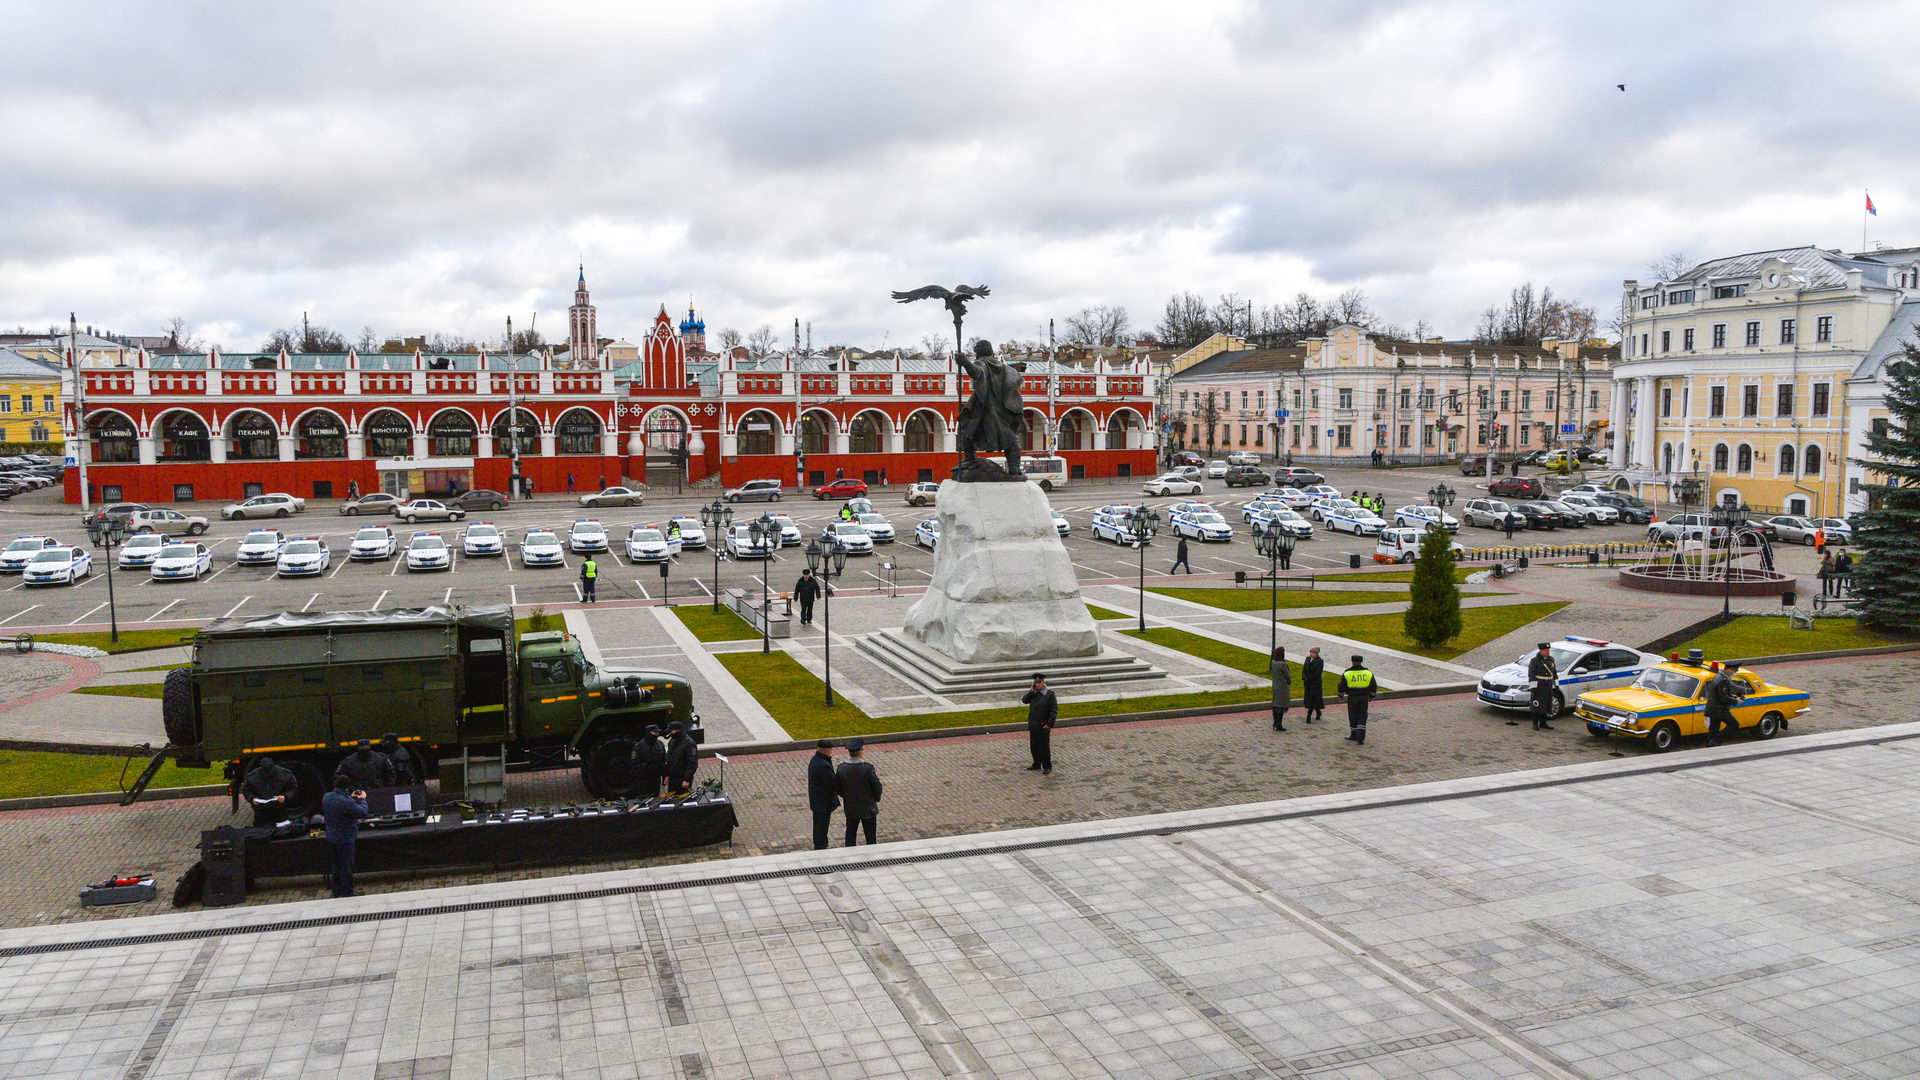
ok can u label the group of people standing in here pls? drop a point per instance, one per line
(853, 788)
(1356, 687)
(1836, 573)
(1376, 504)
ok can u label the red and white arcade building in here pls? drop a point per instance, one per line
(222, 426)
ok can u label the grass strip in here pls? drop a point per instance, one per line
(1479, 625)
(1765, 635)
(1257, 598)
(139, 690)
(29, 773)
(1099, 612)
(1403, 576)
(130, 640)
(1251, 661)
(710, 625)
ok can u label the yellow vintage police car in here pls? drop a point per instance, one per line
(1668, 702)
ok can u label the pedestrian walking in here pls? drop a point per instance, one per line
(859, 788)
(353, 489)
(1544, 674)
(569, 483)
(652, 757)
(1282, 676)
(1043, 708)
(806, 590)
(342, 810)
(603, 482)
(1180, 558)
(589, 577)
(823, 792)
(1313, 688)
(683, 759)
(1357, 689)
(1820, 540)
(267, 789)
(839, 474)
(1509, 522)
(1826, 573)
(1722, 695)
(883, 477)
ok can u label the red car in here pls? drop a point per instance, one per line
(842, 489)
(1522, 487)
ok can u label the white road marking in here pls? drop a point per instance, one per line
(644, 594)
(615, 558)
(83, 618)
(162, 611)
(337, 569)
(222, 570)
(577, 594)
(381, 599)
(1088, 569)
(309, 602)
(448, 599)
(237, 607)
(696, 581)
(397, 564)
(17, 614)
(513, 595)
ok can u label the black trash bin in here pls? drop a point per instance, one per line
(1524, 562)
(1353, 561)
(1789, 598)
(1593, 558)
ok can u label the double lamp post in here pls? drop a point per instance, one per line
(1270, 540)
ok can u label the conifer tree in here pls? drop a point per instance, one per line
(1433, 618)
(1886, 573)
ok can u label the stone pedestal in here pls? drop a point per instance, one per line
(1003, 586)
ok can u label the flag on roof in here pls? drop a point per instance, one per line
(1870, 208)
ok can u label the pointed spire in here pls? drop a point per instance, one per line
(583, 275)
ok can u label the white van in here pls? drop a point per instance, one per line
(1048, 472)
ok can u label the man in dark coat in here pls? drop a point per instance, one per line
(683, 759)
(1043, 708)
(990, 419)
(1722, 695)
(1544, 674)
(823, 793)
(652, 757)
(1313, 688)
(1357, 689)
(1282, 686)
(267, 789)
(405, 769)
(1510, 522)
(859, 787)
(342, 809)
(806, 590)
(365, 768)
(1180, 558)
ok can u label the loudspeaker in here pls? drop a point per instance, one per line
(223, 854)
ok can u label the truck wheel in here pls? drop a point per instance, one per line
(610, 770)
(305, 801)
(177, 714)
(1665, 734)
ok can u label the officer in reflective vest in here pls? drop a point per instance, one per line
(1357, 689)
(589, 575)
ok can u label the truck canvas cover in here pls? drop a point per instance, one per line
(324, 637)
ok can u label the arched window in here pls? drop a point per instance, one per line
(516, 431)
(865, 437)
(813, 434)
(451, 434)
(251, 436)
(1121, 427)
(1744, 459)
(1666, 456)
(1810, 465)
(758, 432)
(919, 434)
(1720, 457)
(1786, 459)
(183, 437)
(320, 434)
(1033, 432)
(578, 432)
(114, 438)
(388, 433)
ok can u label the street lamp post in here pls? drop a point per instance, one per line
(1276, 544)
(717, 518)
(1140, 528)
(1726, 518)
(764, 534)
(827, 563)
(107, 533)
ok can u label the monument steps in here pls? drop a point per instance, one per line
(922, 667)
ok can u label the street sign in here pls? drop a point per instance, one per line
(1568, 429)
(72, 461)
(1282, 414)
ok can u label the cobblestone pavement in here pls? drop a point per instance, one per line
(1755, 917)
(952, 787)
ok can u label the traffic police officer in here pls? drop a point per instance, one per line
(589, 576)
(1544, 674)
(1722, 695)
(1357, 689)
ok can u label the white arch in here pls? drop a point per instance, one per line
(412, 428)
(160, 421)
(300, 417)
(936, 427)
(95, 414)
(834, 426)
(778, 428)
(227, 424)
(686, 422)
(885, 422)
(1086, 426)
(427, 428)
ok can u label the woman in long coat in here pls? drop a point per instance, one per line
(1313, 691)
(1282, 686)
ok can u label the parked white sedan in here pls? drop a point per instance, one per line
(427, 510)
(1419, 517)
(1207, 526)
(57, 566)
(586, 536)
(262, 506)
(138, 551)
(482, 538)
(181, 561)
(260, 547)
(541, 547)
(850, 535)
(1173, 483)
(740, 544)
(304, 556)
(372, 542)
(927, 533)
(15, 558)
(428, 551)
(646, 544)
(879, 528)
(692, 533)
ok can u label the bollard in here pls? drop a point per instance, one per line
(1593, 558)
(1523, 562)
(1353, 561)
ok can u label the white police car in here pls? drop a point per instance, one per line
(880, 530)
(1264, 504)
(14, 558)
(540, 547)
(927, 533)
(260, 547)
(1345, 515)
(372, 542)
(1190, 507)
(1201, 525)
(57, 566)
(789, 530)
(851, 537)
(1584, 664)
(302, 556)
(482, 538)
(1315, 492)
(1288, 521)
(646, 544)
(1419, 517)
(138, 551)
(692, 533)
(1115, 524)
(742, 545)
(428, 551)
(1293, 497)
(586, 535)
(185, 560)
(1060, 523)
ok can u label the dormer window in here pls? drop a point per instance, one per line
(1680, 296)
(1728, 292)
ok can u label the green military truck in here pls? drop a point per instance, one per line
(455, 683)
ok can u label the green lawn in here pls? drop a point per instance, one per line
(130, 640)
(1763, 635)
(1251, 661)
(25, 773)
(140, 690)
(1478, 626)
(1403, 576)
(710, 625)
(1254, 598)
(796, 699)
(160, 667)
(1099, 612)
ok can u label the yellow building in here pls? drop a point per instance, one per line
(29, 402)
(1739, 374)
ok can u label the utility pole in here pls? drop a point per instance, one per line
(514, 483)
(82, 447)
(1053, 373)
(305, 333)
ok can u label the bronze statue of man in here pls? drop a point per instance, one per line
(990, 419)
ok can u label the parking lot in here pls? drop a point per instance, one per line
(232, 589)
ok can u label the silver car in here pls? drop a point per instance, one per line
(427, 510)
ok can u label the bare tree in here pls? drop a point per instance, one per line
(1186, 322)
(368, 342)
(1351, 307)
(1670, 266)
(1099, 325)
(1530, 317)
(180, 334)
(933, 345)
(1232, 315)
(760, 342)
(729, 338)
(288, 340)
(527, 341)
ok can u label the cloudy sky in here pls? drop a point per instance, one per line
(429, 167)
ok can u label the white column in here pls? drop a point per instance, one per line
(217, 450)
(420, 445)
(1644, 452)
(483, 444)
(286, 446)
(549, 447)
(356, 446)
(837, 440)
(896, 441)
(1617, 422)
(147, 453)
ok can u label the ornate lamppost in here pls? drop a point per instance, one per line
(1270, 540)
(765, 536)
(107, 533)
(827, 563)
(717, 518)
(1140, 528)
(1726, 519)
